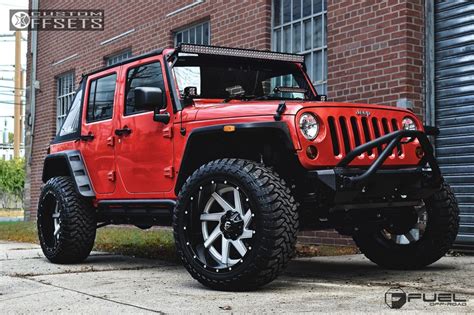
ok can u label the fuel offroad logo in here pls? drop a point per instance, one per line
(396, 298)
(57, 20)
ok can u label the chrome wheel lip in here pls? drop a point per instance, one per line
(216, 246)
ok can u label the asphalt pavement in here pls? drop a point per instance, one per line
(107, 283)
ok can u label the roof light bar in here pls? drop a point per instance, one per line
(238, 52)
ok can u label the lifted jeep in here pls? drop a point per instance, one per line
(237, 150)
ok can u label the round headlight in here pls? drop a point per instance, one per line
(309, 126)
(408, 124)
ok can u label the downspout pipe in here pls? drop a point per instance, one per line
(34, 51)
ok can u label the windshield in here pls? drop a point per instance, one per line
(228, 78)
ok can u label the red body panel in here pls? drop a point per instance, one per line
(146, 163)
(97, 154)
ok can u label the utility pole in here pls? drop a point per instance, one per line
(18, 105)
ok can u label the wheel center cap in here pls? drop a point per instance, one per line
(232, 225)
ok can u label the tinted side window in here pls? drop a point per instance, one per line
(148, 75)
(71, 124)
(101, 98)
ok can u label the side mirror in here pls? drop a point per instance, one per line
(151, 98)
(148, 98)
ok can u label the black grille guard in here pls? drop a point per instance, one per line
(349, 179)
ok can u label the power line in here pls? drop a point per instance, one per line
(11, 87)
(11, 104)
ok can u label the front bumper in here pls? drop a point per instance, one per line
(356, 187)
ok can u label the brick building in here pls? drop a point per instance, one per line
(392, 52)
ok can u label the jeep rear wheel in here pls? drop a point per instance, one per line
(425, 240)
(66, 222)
(235, 225)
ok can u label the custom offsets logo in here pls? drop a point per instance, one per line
(57, 20)
(395, 298)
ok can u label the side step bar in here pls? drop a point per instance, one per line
(140, 211)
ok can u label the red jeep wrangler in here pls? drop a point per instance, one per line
(236, 149)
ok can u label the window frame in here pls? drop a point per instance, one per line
(69, 96)
(194, 27)
(86, 100)
(122, 55)
(77, 134)
(126, 80)
(312, 51)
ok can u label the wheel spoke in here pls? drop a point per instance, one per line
(237, 202)
(55, 215)
(212, 237)
(56, 229)
(224, 204)
(240, 247)
(247, 217)
(401, 239)
(247, 234)
(212, 216)
(413, 235)
(225, 250)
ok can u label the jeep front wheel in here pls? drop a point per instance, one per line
(66, 222)
(416, 239)
(235, 225)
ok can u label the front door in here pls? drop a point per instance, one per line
(144, 149)
(98, 124)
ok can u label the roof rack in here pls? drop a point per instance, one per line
(238, 52)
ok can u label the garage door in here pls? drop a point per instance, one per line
(454, 96)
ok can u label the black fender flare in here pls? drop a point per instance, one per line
(69, 163)
(279, 128)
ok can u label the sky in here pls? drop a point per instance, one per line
(7, 59)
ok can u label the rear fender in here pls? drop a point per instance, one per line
(69, 163)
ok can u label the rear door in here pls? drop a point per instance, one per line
(144, 154)
(98, 123)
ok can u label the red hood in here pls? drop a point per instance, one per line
(206, 110)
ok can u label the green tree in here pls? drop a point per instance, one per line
(11, 137)
(12, 177)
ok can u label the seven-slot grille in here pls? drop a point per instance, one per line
(350, 132)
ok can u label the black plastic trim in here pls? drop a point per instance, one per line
(54, 166)
(139, 202)
(257, 126)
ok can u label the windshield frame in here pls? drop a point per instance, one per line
(312, 93)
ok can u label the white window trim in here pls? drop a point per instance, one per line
(62, 111)
(122, 55)
(195, 26)
(292, 22)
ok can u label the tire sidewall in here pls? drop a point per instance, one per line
(50, 189)
(184, 197)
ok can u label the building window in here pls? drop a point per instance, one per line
(196, 34)
(116, 58)
(299, 26)
(65, 95)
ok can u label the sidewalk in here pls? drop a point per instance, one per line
(111, 283)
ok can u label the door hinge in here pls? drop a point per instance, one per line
(111, 141)
(111, 176)
(169, 171)
(168, 132)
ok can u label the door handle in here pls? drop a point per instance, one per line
(88, 137)
(125, 131)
